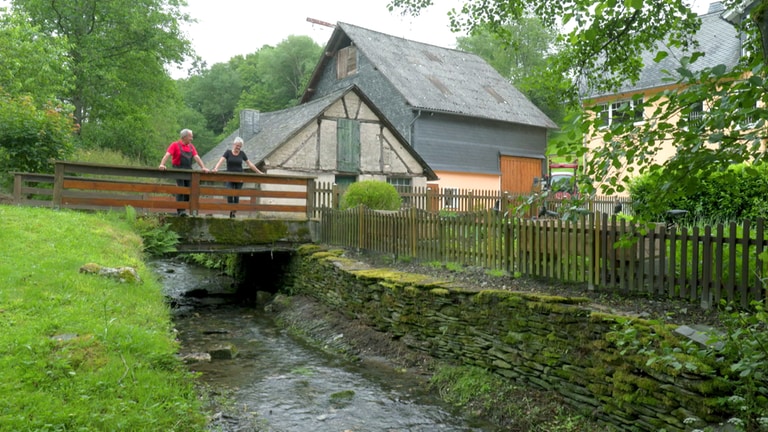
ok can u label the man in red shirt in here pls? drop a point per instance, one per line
(182, 154)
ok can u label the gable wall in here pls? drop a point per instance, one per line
(313, 150)
(375, 86)
(448, 143)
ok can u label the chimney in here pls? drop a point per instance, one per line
(249, 124)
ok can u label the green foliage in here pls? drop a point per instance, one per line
(269, 79)
(33, 63)
(520, 50)
(730, 132)
(496, 273)
(604, 50)
(735, 193)
(740, 355)
(214, 94)
(274, 78)
(117, 52)
(103, 156)
(493, 397)
(228, 263)
(604, 40)
(454, 267)
(747, 344)
(374, 194)
(30, 136)
(158, 237)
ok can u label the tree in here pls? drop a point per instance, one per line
(270, 79)
(32, 63)
(604, 47)
(117, 53)
(277, 76)
(34, 127)
(214, 94)
(287, 68)
(31, 136)
(606, 39)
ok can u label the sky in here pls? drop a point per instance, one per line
(226, 28)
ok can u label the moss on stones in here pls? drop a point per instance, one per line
(630, 367)
(397, 277)
(440, 292)
(308, 249)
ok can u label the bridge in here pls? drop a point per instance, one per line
(274, 212)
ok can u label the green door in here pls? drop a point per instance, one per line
(348, 145)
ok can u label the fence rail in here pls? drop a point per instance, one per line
(328, 195)
(97, 186)
(704, 265)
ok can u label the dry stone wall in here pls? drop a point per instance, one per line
(598, 362)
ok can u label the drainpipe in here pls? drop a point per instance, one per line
(410, 126)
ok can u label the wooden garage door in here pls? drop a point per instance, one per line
(517, 173)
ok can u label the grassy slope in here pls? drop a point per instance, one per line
(80, 351)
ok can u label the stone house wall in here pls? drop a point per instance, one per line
(594, 360)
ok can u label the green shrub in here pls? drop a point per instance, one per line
(734, 194)
(158, 238)
(374, 194)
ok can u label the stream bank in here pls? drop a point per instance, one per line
(258, 376)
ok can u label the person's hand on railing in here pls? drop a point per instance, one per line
(163, 167)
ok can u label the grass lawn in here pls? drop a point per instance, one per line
(82, 352)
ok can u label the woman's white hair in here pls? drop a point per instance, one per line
(238, 140)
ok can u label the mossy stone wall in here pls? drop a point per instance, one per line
(596, 361)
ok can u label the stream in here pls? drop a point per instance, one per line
(277, 383)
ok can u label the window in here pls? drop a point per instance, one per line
(403, 187)
(750, 118)
(696, 115)
(623, 111)
(451, 199)
(346, 62)
(402, 184)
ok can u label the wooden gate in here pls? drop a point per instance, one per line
(517, 173)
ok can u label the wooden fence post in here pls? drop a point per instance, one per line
(17, 183)
(414, 232)
(194, 193)
(311, 198)
(757, 288)
(430, 198)
(335, 197)
(58, 183)
(360, 231)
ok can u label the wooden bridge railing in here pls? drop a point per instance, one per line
(96, 186)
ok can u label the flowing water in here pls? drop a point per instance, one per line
(277, 383)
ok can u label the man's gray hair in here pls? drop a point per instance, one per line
(185, 132)
(238, 140)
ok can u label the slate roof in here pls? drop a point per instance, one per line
(717, 38)
(277, 127)
(432, 78)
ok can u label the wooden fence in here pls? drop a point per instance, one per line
(328, 195)
(97, 186)
(703, 265)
